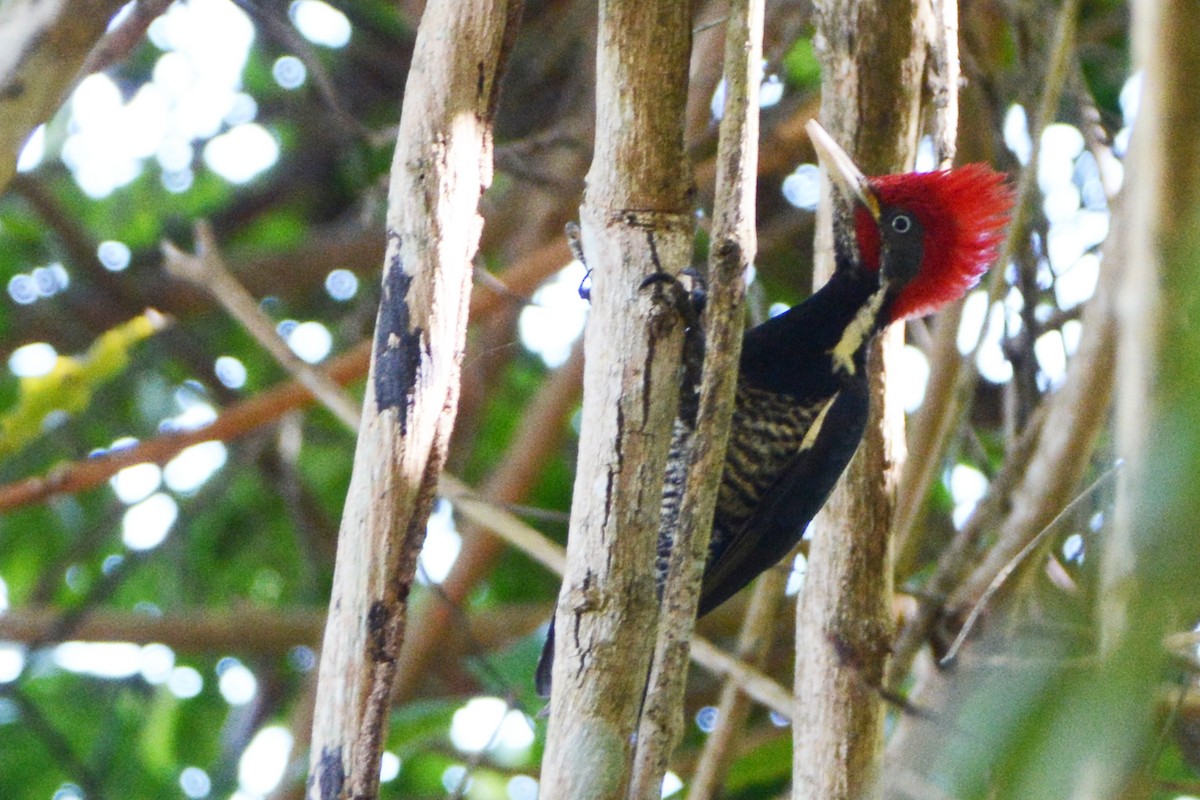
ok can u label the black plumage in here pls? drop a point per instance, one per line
(797, 420)
(904, 245)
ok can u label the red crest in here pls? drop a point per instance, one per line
(963, 213)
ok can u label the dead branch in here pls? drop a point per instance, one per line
(732, 251)
(873, 62)
(637, 236)
(539, 433)
(441, 166)
(207, 269)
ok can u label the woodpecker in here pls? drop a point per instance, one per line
(904, 246)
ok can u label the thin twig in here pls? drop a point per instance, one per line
(963, 373)
(1077, 413)
(60, 749)
(755, 683)
(207, 270)
(267, 16)
(961, 552)
(1016, 561)
(930, 432)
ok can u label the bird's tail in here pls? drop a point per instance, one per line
(545, 665)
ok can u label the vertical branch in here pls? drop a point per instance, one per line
(539, 432)
(637, 236)
(942, 78)
(1041, 471)
(754, 644)
(1151, 557)
(441, 166)
(1075, 417)
(938, 416)
(732, 251)
(873, 61)
(954, 378)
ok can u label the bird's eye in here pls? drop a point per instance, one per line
(901, 223)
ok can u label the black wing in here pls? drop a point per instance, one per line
(545, 665)
(786, 508)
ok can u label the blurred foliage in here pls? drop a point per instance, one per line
(67, 388)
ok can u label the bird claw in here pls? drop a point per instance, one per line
(689, 298)
(688, 292)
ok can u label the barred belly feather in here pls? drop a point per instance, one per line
(765, 435)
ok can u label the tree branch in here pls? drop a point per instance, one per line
(637, 236)
(936, 426)
(1077, 414)
(244, 630)
(732, 251)
(43, 43)
(873, 61)
(540, 431)
(441, 166)
(207, 269)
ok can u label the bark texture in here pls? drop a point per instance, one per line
(441, 166)
(732, 251)
(637, 236)
(43, 43)
(873, 64)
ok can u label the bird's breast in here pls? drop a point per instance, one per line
(767, 433)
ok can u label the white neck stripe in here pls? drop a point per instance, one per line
(857, 332)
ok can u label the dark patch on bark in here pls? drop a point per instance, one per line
(330, 774)
(397, 347)
(13, 90)
(865, 656)
(671, 305)
(845, 651)
(378, 621)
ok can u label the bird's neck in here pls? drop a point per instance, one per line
(808, 350)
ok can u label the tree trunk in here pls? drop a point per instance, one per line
(637, 236)
(731, 252)
(873, 62)
(442, 165)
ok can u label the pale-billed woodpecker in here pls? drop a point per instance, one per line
(904, 246)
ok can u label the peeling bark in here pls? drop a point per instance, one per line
(637, 236)
(442, 165)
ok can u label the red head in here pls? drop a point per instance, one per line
(940, 230)
(962, 214)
